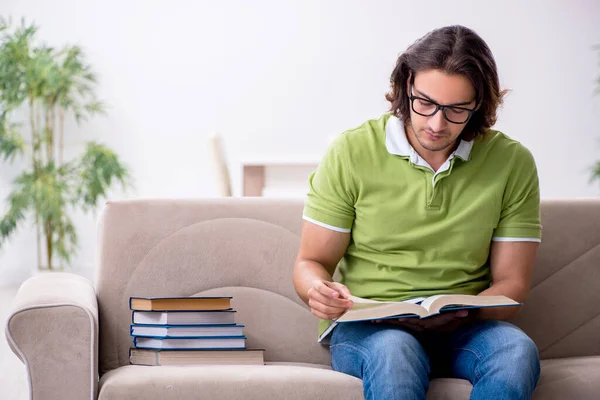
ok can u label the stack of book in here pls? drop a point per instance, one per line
(187, 331)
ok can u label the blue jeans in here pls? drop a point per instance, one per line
(498, 358)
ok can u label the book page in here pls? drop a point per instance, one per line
(435, 304)
(359, 302)
(381, 310)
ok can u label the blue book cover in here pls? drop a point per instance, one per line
(207, 330)
(190, 343)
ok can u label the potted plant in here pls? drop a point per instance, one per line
(48, 85)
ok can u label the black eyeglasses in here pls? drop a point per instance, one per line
(428, 108)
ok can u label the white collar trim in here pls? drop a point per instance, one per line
(397, 143)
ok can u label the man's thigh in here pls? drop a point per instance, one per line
(357, 346)
(490, 346)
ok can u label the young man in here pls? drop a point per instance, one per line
(427, 200)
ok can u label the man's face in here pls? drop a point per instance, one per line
(435, 133)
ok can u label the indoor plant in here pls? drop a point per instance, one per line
(41, 86)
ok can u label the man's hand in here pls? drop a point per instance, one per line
(446, 322)
(328, 300)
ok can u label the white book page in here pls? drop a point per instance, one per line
(361, 301)
(433, 304)
(429, 301)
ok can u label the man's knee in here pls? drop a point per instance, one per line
(379, 350)
(394, 340)
(514, 342)
(525, 352)
(515, 352)
(397, 349)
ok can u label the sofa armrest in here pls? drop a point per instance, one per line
(53, 329)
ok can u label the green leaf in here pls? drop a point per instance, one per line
(65, 241)
(595, 172)
(15, 64)
(11, 143)
(75, 83)
(19, 202)
(99, 169)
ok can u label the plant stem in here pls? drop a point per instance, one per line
(32, 123)
(61, 133)
(53, 125)
(48, 133)
(48, 232)
(34, 167)
(38, 144)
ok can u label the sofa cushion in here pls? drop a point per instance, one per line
(247, 382)
(569, 378)
(560, 379)
(276, 380)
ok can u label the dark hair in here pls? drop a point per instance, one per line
(454, 50)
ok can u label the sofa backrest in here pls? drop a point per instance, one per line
(562, 311)
(246, 248)
(243, 248)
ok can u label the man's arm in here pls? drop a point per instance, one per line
(320, 251)
(511, 267)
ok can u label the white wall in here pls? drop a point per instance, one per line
(283, 76)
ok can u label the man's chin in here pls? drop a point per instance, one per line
(435, 146)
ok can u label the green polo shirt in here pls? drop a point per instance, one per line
(416, 232)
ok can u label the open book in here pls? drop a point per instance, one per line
(365, 309)
(424, 307)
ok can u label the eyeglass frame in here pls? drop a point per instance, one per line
(439, 107)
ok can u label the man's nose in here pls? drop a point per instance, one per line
(437, 122)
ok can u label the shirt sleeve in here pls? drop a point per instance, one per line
(520, 215)
(330, 199)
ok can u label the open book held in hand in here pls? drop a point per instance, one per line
(424, 307)
(365, 309)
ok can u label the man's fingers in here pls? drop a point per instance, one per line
(333, 295)
(321, 315)
(328, 299)
(339, 288)
(446, 322)
(408, 323)
(324, 308)
(329, 307)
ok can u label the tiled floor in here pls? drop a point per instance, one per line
(13, 377)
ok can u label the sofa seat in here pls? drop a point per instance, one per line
(561, 379)
(247, 382)
(569, 378)
(288, 381)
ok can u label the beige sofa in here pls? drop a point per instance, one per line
(69, 333)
